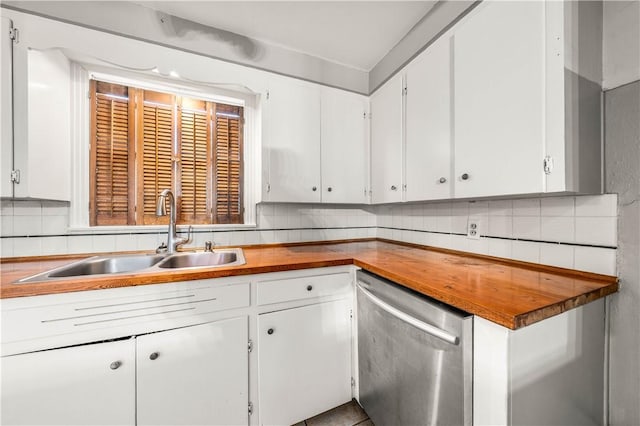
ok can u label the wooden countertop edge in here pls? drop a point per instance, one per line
(565, 272)
(510, 320)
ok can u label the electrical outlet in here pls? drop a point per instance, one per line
(473, 229)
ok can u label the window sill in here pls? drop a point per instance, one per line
(155, 229)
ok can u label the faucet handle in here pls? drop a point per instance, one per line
(189, 235)
(162, 248)
(208, 246)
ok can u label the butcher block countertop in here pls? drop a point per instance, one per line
(510, 293)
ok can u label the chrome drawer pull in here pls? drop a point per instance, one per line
(421, 325)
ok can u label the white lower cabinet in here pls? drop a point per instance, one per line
(83, 385)
(194, 375)
(304, 361)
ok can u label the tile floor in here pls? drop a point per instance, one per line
(349, 414)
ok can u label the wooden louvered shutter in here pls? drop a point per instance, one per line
(195, 161)
(155, 153)
(227, 161)
(112, 155)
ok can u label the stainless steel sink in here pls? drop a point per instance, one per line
(230, 257)
(140, 263)
(99, 265)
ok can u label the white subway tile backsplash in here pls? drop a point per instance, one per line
(444, 223)
(27, 246)
(526, 251)
(6, 247)
(105, 243)
(557, 206)
(500, 248)
(597, 230)
(526, 227)
(557, 229)
(595, 259)
(501, 208)
(527, 207)
(27, 208)
(556, 255)
(479, 208)
(500, 226)
(50, 208)
(126, 242)
(54, 225)
(480, 246)
(6, 225)
(54, 245)
(27, 225)
(82, 244)
(597, 205)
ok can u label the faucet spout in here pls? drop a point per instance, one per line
(173, 241)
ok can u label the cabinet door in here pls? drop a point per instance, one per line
(499, 100)
(304, 362)
(82, 385)
(292, 142)
(344, 147)
(428, 124)
(386, 142)
(42, 102)
(6, 110)
(194, 375)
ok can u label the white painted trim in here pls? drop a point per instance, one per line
(80, 123)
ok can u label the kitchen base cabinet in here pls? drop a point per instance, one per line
(547, 373)
(304, 361)
(194, 375)
(82, 385)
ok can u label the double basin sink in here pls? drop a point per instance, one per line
(141, 263)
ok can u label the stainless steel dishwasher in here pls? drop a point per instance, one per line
(414, 356)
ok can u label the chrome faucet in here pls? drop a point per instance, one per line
(173, 241)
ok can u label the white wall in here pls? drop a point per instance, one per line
(621, 44)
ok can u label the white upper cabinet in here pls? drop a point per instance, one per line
(291, 144)
(386, 142)
(344, 159)
(6, 110)
(42, 119)
(428, 124)
(527, 99)
(499, 100)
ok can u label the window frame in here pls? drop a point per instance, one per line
(81, 74)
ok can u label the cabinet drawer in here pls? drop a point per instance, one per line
(127, 310)
(298, 288)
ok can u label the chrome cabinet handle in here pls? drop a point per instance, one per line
(420, 325)
(394, 188)
(115, 365)
(442, 180)
(465, 176)
(154, 356)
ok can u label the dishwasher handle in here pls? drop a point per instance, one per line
(421, 325)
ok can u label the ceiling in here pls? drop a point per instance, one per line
(357, 34)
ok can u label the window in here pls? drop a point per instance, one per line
(144, 141)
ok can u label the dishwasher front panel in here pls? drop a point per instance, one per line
(414, 357)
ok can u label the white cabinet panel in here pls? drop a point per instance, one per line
(73, 386)
(499, 100)
(195, 375)
(428, 124)
(291, 146)
(42, 150)
(6, 110)
(304, 361)
(386, 142)
(344, 147)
